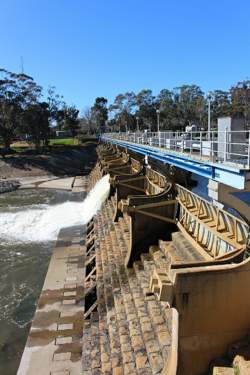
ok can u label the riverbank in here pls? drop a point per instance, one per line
(57, 162)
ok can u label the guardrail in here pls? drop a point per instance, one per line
(227, 147)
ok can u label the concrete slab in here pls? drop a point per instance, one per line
(60, 183)
(56, 313)
(80, 184)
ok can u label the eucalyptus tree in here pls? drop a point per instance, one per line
(146, 108)
(17, 92)
(165, 103)
(87, 124)
(123, 110)
(100, 113)
(190, 105)
(220, 104)
(240, 100)
(36, 123)
(70, 119)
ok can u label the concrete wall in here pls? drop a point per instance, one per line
(213, 305)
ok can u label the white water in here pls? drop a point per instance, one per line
(44, 222)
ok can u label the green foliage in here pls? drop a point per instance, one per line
(70, 119)
(182, 106)
(24, 116)
(100, 113)
(17, 93)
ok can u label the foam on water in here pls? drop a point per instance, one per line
(44, 222)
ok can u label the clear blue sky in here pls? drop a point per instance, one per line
(89, 48)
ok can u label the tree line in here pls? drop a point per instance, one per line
(25, 113)
(177, 108)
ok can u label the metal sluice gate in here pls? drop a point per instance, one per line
(204, 267)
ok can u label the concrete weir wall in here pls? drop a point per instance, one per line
(54, 343)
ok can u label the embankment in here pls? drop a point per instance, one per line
(58, 161)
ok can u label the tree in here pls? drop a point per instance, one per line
(70, 120)
(189, 104)
(56, 107)
(100, 113)
(240, 100)
(17, 92)
(220, 104)
(146, 108)
(123, 109)
(36, 123)
(87, 122)
(165, 104)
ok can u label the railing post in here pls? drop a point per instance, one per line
(200, 145)
(225, 145)
(248, 157)
(191, 141)
(212, 148)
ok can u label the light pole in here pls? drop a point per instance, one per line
(158, 120)
(137, 123)
(158, 126)
(209, 116)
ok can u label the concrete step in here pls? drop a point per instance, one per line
(224, 371)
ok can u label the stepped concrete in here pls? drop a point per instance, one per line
(133, 333)
(95, 316)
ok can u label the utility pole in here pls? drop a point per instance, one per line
(158, 120)
(137, 123)
(22, 69)
(158, 126)
(209, 117)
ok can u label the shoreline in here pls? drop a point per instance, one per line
(73, 183)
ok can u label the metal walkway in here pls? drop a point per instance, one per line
(197, 156)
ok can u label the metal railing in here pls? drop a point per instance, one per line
(227, 147)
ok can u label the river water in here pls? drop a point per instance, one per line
(29, 224)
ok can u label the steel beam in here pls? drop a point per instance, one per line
(231, 176)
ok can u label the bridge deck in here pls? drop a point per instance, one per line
(231, 170)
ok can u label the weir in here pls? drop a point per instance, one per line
(162, 273)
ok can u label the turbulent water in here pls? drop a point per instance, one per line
(42, 222)
(29, 224)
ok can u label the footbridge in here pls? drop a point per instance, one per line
(223, 156)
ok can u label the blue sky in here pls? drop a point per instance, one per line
(89, 48)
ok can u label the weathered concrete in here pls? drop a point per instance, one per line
(60, 183)
(54, 343)
(80, 184)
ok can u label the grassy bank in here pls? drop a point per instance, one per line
(64, 141)
(24, 146)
